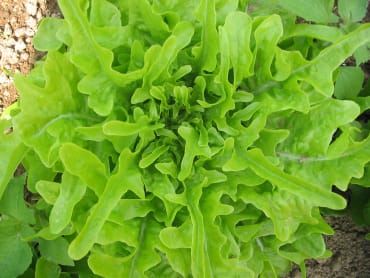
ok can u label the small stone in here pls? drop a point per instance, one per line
(3, 78)
(7, 29)
(10, 42)
(13, 21)
(321, 261)
(31, 23)
(336, 263)
(31, 7)
(20, 32)
(12, 58)
(24, 56)
(39, 15)
(30, 32)
(20, 46)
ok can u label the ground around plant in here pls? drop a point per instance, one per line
(18, 23)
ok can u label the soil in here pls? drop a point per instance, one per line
(18, 23)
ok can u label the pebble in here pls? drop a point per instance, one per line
(24, 56)
(13, 59)
(19, 46)
(8, 57)
(31, 23)
(20, 32)
(9, 42)
(13, 21)
(30, 32)
(4, 78)
(7, 29)
(39, 15)
(31, 7)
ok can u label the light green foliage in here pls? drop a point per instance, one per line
(13, 204)
(319, 11)
(182, 139)
(55, 251)
(15, 254)
(352, 11)
(12, 149)
(45, 268)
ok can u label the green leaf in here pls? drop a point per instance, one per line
(15, 254)
(362, 54)
(104, 13)
(52, 124)
(71, 191)
(315, 140)
(192, 149)
(106, 265)
(92, 171)
(130, 208)
(200, 258)
(177, 237)
(336, 158)
(92, 59)
(120, 128)
(341, 167)
(287, 211)
(319, 11)
(137, 263)
(36, 171)
(48, 190)
(359, 206)
(47, 269)
(269, 139)
(55, 251)
(206, 52)
(321, 32)
(318, 196)
(161, 186)
(12, 152)
(145, 256)
(45, 38)
(349, 82)
(352, 11)
(158, 60)
(266, 43)
(85, 52)
(126, 178)
(320, 70)
(240, 53)
(150, 158)
(124, 231)
(148, 16)
(13, 204)
(312, 245)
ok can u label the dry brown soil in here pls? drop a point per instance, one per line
(18, 23)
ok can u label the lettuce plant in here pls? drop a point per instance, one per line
(177, 139)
